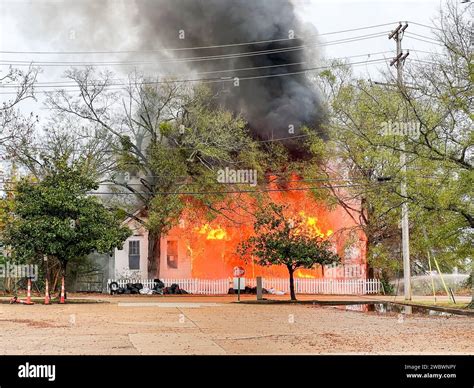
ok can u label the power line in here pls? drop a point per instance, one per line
(222, 191)
(425, 41)
(421, 36)
(314, 132)
(122, 82)
(192, 59)
(287, 138)
(229, 79)
(183, 60)
(267, 190)
(214, 80)
(356, 29)
(282, 180)
(426, 26)
(279, 177)
(422, 61)
(192, 48)
(427, 52)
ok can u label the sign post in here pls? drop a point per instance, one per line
(238, 273)
(259, 288)
(238, 291)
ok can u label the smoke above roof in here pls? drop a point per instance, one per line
(273, 94)
(271, 90)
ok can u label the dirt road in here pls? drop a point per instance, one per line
(213, 325)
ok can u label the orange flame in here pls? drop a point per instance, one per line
(311, 227)
(217, 233)
(211, 245)
(305, 273)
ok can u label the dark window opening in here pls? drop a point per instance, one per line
(172, 253)
(134, 254)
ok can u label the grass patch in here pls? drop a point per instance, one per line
(441, 304)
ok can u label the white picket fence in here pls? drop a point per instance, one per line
(326, 286)
(302, 286)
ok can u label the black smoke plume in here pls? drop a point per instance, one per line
(275, 96)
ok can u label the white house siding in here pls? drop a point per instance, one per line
(122, 269)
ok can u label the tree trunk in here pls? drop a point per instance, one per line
(55, 284)
(471, 305)
(292, 283)
(63, 268)
(63, 274)
(370, 271)
(154, 248)
(46, 273)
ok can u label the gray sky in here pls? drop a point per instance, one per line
(33, 26)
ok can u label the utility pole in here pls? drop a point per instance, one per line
(397, 35)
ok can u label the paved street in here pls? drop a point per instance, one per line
(214, 325)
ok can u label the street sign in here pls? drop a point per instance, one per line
(239, 283)
(239, 272)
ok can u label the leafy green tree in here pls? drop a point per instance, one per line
(435, 102)
(360, 176)
(283, 240)
(6, 207)
(439, 95)
(58, 217)
(364, 176)
(171, 139)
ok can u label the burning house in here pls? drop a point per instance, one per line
(208, 249)
(276, 97)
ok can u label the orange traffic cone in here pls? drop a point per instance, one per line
(46, 293)
(28, 295)
(61, 300)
